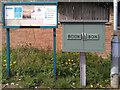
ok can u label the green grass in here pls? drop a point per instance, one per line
(35, 68)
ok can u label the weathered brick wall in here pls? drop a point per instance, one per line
(39, 38)
(108, 35)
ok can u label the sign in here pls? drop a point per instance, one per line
(82, 37)
(92, 37)
(74, 36)
(30, 14)
(9, 14)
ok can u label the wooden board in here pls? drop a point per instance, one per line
(83, 11)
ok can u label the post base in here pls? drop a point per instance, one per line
(115, 81)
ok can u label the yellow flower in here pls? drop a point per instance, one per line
(100, 85)
(69, 63)
(10, 64)
(68, 59)
(91, 86)
(72, 60)
(4, 60)
(14, 62)
(66, 63)
(4, 65)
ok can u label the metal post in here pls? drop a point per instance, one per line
(115, 51)
(115, 16)
(82, 69)
(8, 53)
(54, 48)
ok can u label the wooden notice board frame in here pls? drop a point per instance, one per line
(54, 15)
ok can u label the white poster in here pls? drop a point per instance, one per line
(40, 12)
(9, 12)
(50, 14)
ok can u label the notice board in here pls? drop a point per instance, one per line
(30, 14)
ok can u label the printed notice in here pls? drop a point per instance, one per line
(50, 14)
(18, 12)
(33, 15)
(40, 12)
(9, 12)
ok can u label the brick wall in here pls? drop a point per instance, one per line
(43, 38)
(39, 38)
(108, 35)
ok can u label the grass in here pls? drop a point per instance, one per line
(31, 67)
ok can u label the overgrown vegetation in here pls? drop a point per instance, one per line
(31, 67)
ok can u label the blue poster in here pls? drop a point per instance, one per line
(18, 12)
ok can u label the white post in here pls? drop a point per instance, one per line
(82, 69)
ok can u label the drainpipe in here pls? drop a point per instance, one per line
(115, 51)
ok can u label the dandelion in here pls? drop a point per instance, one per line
(17, 84)
(75, 74)
(12, 83)
(69, 60)
(101, 86)
(91, 86)
(4, 65)
(66, 63)
(36, 87)
(72, 60)
(7, 84)
(10, 64)
(97, 84)
(73, 83)
(19, 79)
(4, 60)
(14, 62)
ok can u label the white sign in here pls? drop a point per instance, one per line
(40, 12)
(50, 15)
(74, 36)
(80, 36)
(9, 12)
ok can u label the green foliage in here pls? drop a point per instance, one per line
(98, 70)
(35, 68)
